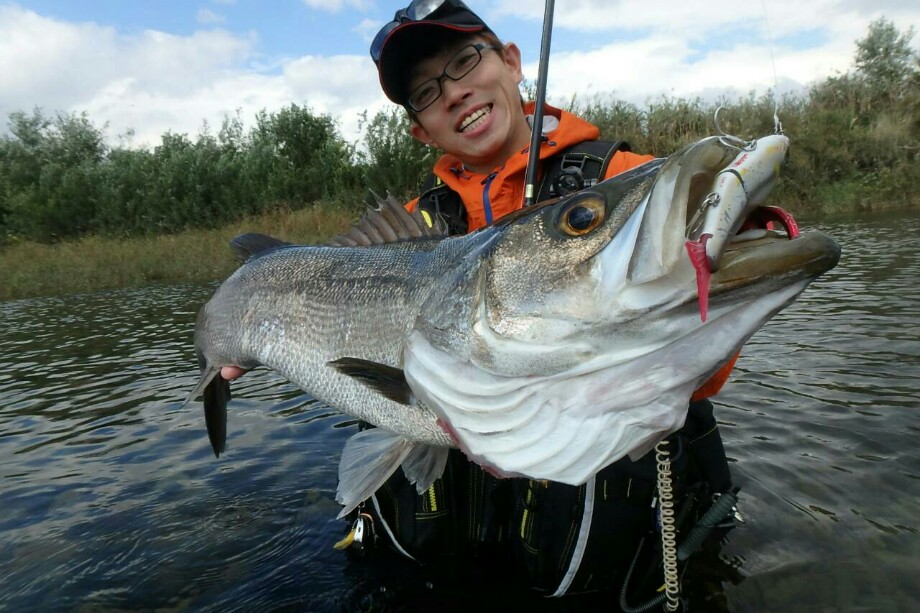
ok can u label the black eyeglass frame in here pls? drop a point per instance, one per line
(445, 74)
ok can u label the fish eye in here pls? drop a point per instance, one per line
(582, 214)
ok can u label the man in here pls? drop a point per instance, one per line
(459, 84)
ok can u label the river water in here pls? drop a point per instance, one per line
(111, 498)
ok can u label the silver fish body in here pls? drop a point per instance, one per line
(548, 345)
(298, 308)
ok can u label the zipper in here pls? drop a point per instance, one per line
(432, 499)
(528, 500)
(486, 201)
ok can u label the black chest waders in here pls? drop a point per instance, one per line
(611, 533)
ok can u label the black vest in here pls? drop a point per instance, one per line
(579, 166)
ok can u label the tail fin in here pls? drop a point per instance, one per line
(216, 396)
(216, 391)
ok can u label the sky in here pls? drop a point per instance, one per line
(140, 68)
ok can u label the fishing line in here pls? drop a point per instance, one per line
(777, 125)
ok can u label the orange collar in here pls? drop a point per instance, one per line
(569, 131)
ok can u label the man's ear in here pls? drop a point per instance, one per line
(512, 57)
(420, 134)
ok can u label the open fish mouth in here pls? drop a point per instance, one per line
(765, 218)
(762, 223)
(732, 212)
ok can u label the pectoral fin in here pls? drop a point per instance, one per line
(216, 396)
(424, 465)
(386, 380)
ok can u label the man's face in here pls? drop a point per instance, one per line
(478, 118)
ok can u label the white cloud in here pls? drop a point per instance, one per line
(686, 47)
(207, 16)
(342, 85)
(367, 29)
(154, 82)
(663, 65)
(695, 19)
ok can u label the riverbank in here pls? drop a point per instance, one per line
(29, 269)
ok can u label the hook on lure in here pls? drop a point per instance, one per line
(729, 139)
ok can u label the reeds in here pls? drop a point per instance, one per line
(94, 263)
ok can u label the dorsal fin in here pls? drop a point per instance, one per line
(252, 244)
(390, 222)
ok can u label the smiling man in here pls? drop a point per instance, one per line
(460, 85)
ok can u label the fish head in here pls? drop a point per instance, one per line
(539, 282)
(575, 334)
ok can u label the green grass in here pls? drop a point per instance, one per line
(29, 269)
(93, 263)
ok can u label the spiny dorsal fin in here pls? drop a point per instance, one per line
(252, 244)
(390, 222)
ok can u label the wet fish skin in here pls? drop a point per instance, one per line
(299, 308)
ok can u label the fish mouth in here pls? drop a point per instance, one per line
(706, 202)
(768, 248)
(732, 213)
(764, 254)
(765, 218)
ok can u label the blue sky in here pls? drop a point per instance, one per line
(287, 28)
(157, 65)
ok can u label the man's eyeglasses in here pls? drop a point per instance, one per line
(457, 67)
(416, 11)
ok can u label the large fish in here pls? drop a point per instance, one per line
(548, 345)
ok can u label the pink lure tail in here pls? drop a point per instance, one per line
(697, 252)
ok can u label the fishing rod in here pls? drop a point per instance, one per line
(537, 129)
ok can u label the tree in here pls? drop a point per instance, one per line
(48, 167)
(393, 160)
(885, 59)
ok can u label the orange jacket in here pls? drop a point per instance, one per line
(488, 197)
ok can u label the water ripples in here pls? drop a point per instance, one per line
(113, 498)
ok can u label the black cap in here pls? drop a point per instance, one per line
(413, 29)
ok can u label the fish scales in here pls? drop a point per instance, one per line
(347, 302)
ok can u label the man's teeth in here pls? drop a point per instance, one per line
(475, 119)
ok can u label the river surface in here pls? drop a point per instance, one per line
(110, 497)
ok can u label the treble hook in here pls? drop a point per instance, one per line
(728, 139)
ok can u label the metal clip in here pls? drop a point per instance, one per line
(359, 529)
(739, 519)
